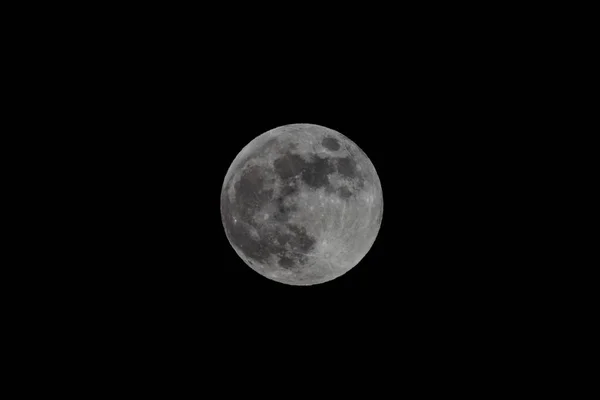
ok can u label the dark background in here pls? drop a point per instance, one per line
(137, 114)
(153, 114)
(175, 121)
(168, 115)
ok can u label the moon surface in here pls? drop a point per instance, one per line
(301, 204)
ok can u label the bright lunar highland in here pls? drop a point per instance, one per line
(301, 204)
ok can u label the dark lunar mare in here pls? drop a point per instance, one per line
(250, 193)
(302, 241)
(283, 206)
(344, 193)
(330, 144)
(250, 197)
(286, 262)
(316, 173)
(289, 165)
(347, 167)
(313, 173)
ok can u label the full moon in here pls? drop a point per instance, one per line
(301, 204)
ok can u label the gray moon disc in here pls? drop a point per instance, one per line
(301, 204)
